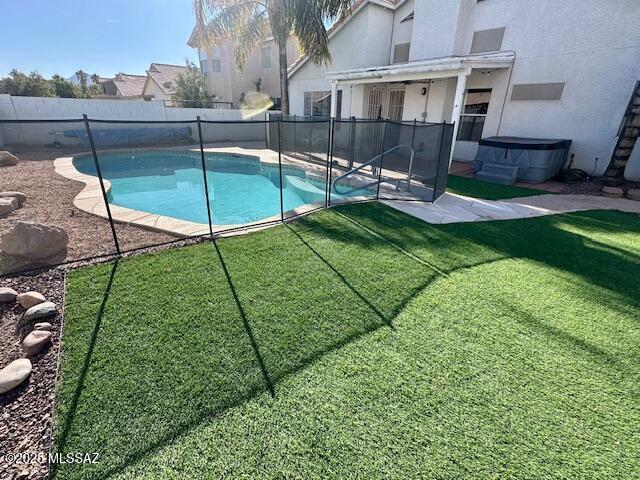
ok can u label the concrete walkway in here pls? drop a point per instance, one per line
(451, 208)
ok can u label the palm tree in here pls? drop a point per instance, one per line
(248, 23)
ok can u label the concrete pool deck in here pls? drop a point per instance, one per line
(90, 198)
(452, 208)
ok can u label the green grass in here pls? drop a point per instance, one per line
(361, 343)
(471, 187)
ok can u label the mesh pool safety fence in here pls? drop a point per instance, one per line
(101, 188)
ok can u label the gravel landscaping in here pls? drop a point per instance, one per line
(27, 410)
(50, 201)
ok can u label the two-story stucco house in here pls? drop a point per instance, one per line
(227, 84)
(543, 68)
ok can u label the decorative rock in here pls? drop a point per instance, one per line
(29, 299)
(634, 194)
(36, 341)
(14, 374)
(42, 310)
(34, 240)
(43, 326)
(7, 205)
(7, 159)
(614, 192)
(21, 197)
(7, 295)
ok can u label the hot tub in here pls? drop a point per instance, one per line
(525, 159)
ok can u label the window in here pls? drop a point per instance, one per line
(318, 104)
(401, 53)
(265, 53)
(474, 111)
(487, 40)
(216, 65)
(537, 91)
(203, 66)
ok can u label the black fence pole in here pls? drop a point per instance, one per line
(384, 131)
(99, 172)
(204, 175)
(438, 164)
(280, 167)
(330, 170)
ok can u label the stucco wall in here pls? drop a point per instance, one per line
(36, 108)
(229, 83)
(590, 45)
(152, 88)
(364, 41)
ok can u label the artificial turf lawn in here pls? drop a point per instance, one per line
(471, 187)
(359, 342)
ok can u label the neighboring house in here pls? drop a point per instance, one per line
(227, 84)
(543, 68)
(161, 80)
(124, 86)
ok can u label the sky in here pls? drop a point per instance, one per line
(97, 36)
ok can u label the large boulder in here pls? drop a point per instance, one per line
(19, 196)
(7, 159)
(34, 240)
(7, 295)
(14, 374)
(36, 341)
(7, 205)
(29, 299)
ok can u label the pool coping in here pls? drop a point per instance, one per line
(90, 198)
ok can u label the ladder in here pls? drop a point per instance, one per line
(371, 161)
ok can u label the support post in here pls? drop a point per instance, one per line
(334, 99)
(457, 108)
(204, 175)
(352, 140)
(99, 172)
(280, 167)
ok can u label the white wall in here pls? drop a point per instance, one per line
(364, 41)
(590, 45)
(39, 108)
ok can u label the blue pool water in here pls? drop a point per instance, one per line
(241, 188)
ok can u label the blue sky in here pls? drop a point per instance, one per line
(98, 36)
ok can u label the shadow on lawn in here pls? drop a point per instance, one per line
(285, 335)
(546, 240)
(68, 421)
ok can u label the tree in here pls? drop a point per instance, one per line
(190, 88)
(82, 78)
(248, 23)
(32, 85)
(64, 88)
(95, 78)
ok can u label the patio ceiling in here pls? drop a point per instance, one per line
(422, 69)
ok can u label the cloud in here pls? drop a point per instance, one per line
(112, 20)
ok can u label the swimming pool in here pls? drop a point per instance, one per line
(242, 189)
